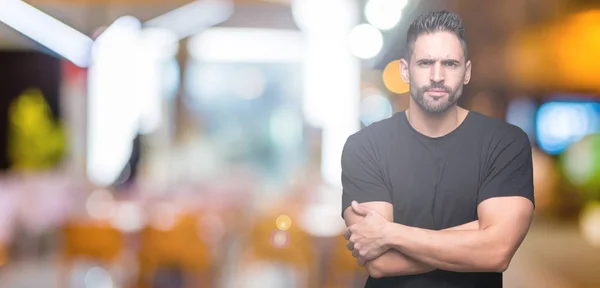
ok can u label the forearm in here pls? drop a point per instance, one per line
(394, 263)
(453, 250)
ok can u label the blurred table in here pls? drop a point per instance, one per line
(554, 255)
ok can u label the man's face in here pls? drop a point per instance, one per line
(437, 71)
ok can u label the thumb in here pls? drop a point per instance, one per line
(359, 209)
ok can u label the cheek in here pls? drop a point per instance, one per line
(419, 78)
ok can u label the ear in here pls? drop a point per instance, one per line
(467, 73)
(404, 71)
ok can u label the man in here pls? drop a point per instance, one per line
(437, 196)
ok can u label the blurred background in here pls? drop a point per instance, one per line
(149, 143)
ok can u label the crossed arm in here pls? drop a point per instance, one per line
(486, 245)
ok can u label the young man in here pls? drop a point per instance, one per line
(437, 196)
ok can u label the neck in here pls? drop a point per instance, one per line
(435, 124)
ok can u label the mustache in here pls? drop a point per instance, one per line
(437, 86)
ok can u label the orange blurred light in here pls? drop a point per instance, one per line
(392, 79)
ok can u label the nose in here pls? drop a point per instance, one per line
(437, 72)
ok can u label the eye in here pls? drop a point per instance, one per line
(451, 64)
(424, 63)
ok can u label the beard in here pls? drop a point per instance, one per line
(435, 106)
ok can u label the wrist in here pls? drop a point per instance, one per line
(391, 235)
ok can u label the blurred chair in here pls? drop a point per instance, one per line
(91, 240)
(3, 254)
(281, 250)
(341, 269)
(177, 248)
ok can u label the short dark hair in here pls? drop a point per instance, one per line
(435, 21)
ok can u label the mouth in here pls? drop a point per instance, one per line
(437, 92)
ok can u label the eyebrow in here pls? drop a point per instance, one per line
(444, 61)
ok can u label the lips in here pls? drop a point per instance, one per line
(437, 92)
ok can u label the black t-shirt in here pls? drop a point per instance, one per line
(436, 183)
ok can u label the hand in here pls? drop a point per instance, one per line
(365, 238)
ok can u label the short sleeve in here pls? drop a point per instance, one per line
(361, 177)
(510, 168)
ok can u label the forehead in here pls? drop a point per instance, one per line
(438, 45)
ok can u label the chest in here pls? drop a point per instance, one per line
(435, 187)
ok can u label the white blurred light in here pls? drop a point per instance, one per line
(125, 91)
(375, 107)
(156, 48)
(98, 278)
(159, 43)
(322, 220)
(317, 14)
(128, 217)
(559, 124)
(100, 204)
(384, 14)
(365, 41)
(247, 45)
(331, 76)
(193, 17)
(46, 30)
(113, 106)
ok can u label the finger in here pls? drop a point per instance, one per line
(359, 209)
(350, 246)
(355, 253)
(347, 233)
(361, 261)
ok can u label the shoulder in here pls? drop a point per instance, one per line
(501, 139)
(498, 131)
(370, 139)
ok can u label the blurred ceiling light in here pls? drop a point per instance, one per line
(191, 18)
(331, 76)
(318, 14)
(113, 116)
(365, 41)
(392, 78)
(159, 43)
(247, 45)
(46, 30)
(384, 14)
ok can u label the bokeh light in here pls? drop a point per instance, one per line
(559, 124)
(384, 14)
(581, 165)
(392, 78)
(100, 204)
(365, 41)
(280, 239)
(283, 222)
(375, 107)
(589, 223)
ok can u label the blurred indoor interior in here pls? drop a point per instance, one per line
(154, 143)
